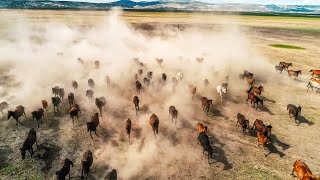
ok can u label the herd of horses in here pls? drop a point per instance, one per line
(253, 94)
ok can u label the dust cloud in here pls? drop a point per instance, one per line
(36, 57)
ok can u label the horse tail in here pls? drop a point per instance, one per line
(250, 90)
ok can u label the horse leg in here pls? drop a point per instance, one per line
(292, 173)
(96, 133)
(91, 135)
(31, 151)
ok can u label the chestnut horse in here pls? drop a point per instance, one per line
(255, 100)
(295, 74)
(154, 123)
(315, 72)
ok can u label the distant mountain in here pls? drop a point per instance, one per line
(161, 5)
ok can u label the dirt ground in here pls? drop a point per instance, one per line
(175, 154)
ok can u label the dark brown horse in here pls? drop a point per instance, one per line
(294, 111)
(164, 78)
(74, 112)
(285, 64)
(86, 162)
(138, 86)
(174, 114)
(101, 102)
(243, 123)
(93, 124)
(128, 128)
(74, 84)
(259, 126)
(154, 123)
(71, 99)
(56, 102)
(91, 83)
(18, 112)
(295, 74)
(256, 90)
(193, 91)
(206, 104)
(38, 115)
(255, 100)
(136, 103)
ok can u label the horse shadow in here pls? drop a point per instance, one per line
(275, 140)
(214, 112)
(265, 109)
(302, 119)
(272, 149)
(218, 153)
(267, 99)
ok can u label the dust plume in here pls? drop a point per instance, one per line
(37, 57)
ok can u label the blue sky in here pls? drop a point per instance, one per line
(278, 2)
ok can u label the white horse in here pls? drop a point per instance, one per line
(222, 91)
(180, 76)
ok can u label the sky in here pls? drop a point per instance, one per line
(277, 2)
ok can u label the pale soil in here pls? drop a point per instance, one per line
(237, 156)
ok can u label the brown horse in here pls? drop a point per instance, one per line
(136, 103)
(38, 115)
(256, 90)
(91, 83)
(56, 102)
(159, 61)
(89, 94)
(202, 128)
(93, 124)
(164, 78)
(74, 112)
(262, 139)
(96, 64)
(101, 102)
(255, 100)
(71, 99)
(44, 104)
(206, 103)
(140, 71)
(243, 123)
(174, 114)
(193, 91)
(302, 171)
(86, 162)
(18, 112)
(128, 128)
(138, 86)
(74, 84)
(285, 65)
(315, 72)
(259, 126)
(295, 74)
(154, 123)
(108, 81)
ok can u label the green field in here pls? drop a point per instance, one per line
(286, 46)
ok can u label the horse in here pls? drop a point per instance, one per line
(199, 60)
(18, 112)
(315, 72)
(65, 170)
(222, 91)
(136, 103)
(314, 83)
(302, 171)
(295, 74)
(55, 101)
(164, 78)
(74, 112)
(107, 80)
(255, 100)
(101, 102)
(294, 111)
(154, 123)
(75, 85)
(256, 90)
(89, 94)
(146, 81)
(174, 114)
(205, 143)
(243, 123)
(251, 81)
(279, 68)
(61, 93)
(285, 65)
(259, 126)
(180, 76)
(44, 104)
(38, 115)
(202, 128)
(28, 143)
(71, 99)
(128, 128)
(193, 91)
(96, 64)
(159, 61)
(3, 105)
(55, 90)
(140, 71)
(112, 175)
(86, 162)
(138, 86)
(93, 124)
(91, 83)
(206, 104)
